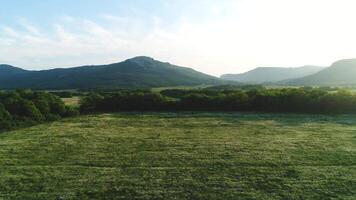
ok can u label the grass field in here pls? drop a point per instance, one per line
(159, 89)
(182, 156)
(73, 101)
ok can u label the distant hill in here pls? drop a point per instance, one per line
(342, 72)
(271, 74)
(138, 72)
(8, 69)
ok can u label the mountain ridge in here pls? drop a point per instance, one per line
(137, 72)
(341, 72)
(262, 75)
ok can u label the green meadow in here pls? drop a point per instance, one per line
(182, 156)
(72, 101)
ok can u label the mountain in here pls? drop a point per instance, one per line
(271, 74)
(138, 72)
(4, 69)
(342, 72)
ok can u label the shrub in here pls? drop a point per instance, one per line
(5, 118)
(71, 111)
(91, 102)
(23, 107)
(296, 100)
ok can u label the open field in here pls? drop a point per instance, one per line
(73, 101)
(159, 89)
(182, 156)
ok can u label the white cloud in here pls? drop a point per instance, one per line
(9, 32)
(115, 18)
(238, 36)
(30, 28)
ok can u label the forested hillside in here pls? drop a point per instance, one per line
(342, 72)
(138, 72)
(272, 74)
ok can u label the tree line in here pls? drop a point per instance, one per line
(25, 107)
(292, 100)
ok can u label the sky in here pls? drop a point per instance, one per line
(212, 36)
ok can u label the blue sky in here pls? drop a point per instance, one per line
(46, 12)
(213, 36)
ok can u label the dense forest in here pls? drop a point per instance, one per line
(25, 107)
(254, 99)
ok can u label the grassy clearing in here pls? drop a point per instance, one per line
(159, 89)
(73, 101)
(182, 156)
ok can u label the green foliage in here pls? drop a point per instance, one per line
(5, 118)
(23, 107)
(294, 100)
(124, 101)
(90, 102)
(71, 111)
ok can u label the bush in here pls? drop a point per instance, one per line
(5, 118)
(90, 103)
(296, 100)
(23, 107)
(71, 111)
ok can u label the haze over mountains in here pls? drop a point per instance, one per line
(138, 72)
(145, 72)
(340, 73)
(272, 74)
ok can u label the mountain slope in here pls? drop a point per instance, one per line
(342, 72)
(132, 73)
(8, 69)
(271, 74)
